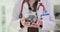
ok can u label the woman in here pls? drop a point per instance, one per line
(45, 15)
(32, 6)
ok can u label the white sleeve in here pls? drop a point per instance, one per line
(15, 25)
(16, 10)
(15, 21)
(49, 24)
(48, 21)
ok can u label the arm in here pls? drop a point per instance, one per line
(50, 23)
(15, 24)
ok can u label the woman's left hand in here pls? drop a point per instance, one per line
(37, 24)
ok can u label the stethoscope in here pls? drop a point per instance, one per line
(44, 13)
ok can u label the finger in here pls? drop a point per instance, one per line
(23, 19)
(38, 21)
(27, 24)
(34, 26)
(33, 23)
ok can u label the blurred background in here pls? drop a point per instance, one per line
(6, 8)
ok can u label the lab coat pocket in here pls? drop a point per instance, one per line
(46, 17)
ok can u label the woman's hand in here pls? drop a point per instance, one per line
(24, 23)
(37, 24)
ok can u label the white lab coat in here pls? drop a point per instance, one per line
(48, 21)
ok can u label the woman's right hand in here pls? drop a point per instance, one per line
(24, 23)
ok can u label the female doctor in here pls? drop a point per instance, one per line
(43, 9)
